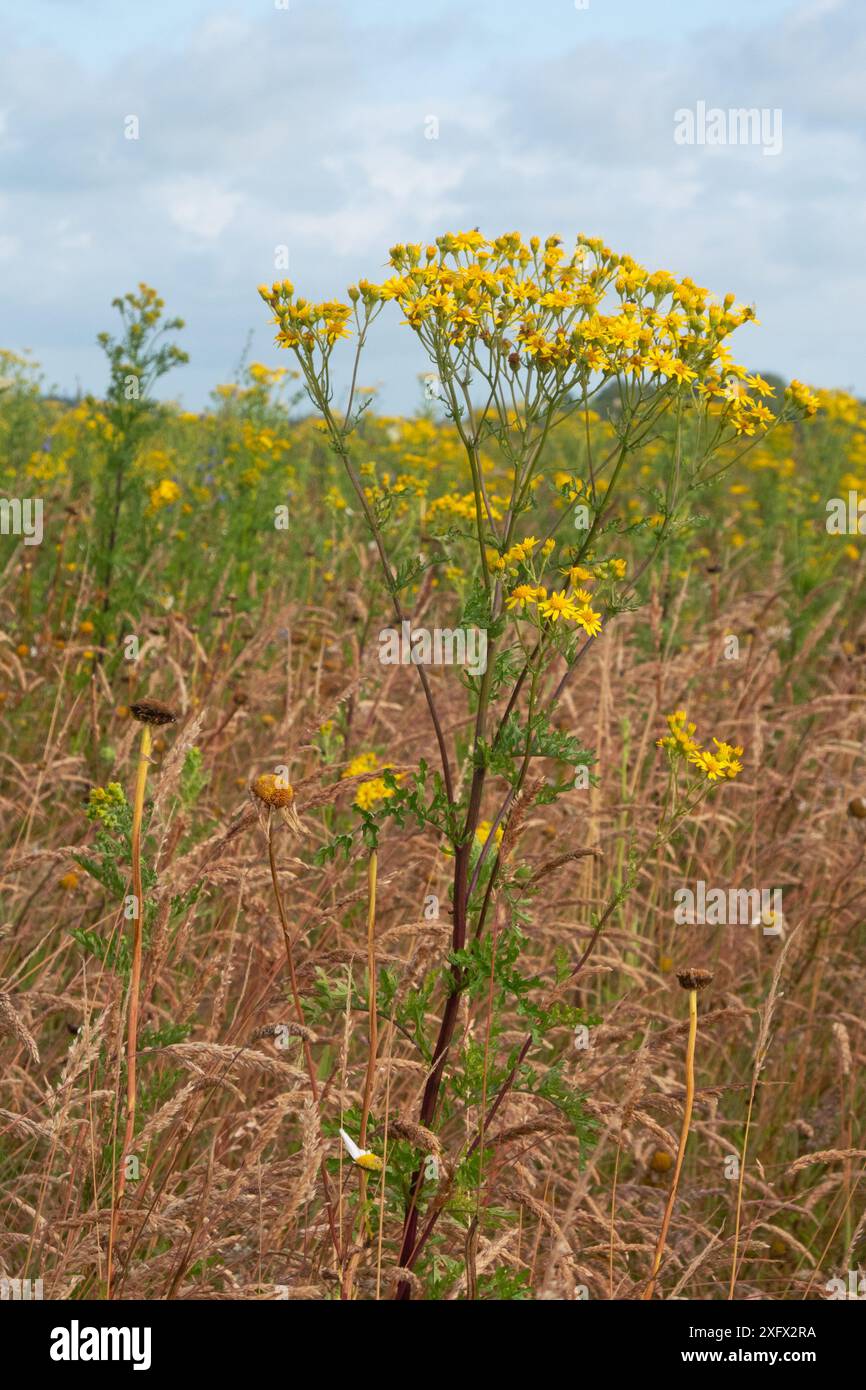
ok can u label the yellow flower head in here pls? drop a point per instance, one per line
(723, 763)
(482, 832)
(370, 1161)
(165, 492)
(557, 605)
(376, 789)
(521, 596)
(589, 620)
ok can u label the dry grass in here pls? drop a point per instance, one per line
(230, 1200)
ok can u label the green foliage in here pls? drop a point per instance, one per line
(111, 951)
(490, 963)
(193, 778)
(537, 737)
(550, 1085)
(110, 811)
(137, 359)
(505, 1285)
(139, 356)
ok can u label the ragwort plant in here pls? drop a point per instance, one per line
(137, 359)
(522, 337)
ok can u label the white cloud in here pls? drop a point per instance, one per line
(200, 207)
(307, 128)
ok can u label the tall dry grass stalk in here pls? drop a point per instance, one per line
(148, 713)
(761, 1048)
(691, 980)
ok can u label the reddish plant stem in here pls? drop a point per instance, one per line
(409, 1253)
(440, 1054)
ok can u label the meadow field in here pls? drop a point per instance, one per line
(433, 847)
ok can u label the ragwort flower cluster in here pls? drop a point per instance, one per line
(715, 765)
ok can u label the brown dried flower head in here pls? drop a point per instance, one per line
(272, 790)
(694, 979)
(269, 792)
(152, 712)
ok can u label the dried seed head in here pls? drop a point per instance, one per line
(11, 1023)
(857, 808)
(843, 1042)
(694, 979)
(417, 1135)
(269, 792)
(284, 1030)
(152, 712)
(272, 790)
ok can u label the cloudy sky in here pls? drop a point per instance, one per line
(307, 124)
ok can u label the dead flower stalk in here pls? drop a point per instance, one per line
(148, 713)
(691, 980)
